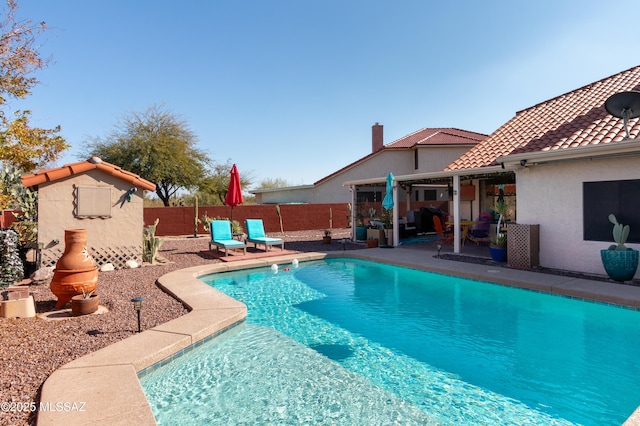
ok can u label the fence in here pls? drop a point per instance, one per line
(295, 217)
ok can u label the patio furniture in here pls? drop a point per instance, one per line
(221, 237)
(256, 235)
(464, 228)
(444, 235)
(408, 226)
(480, 231)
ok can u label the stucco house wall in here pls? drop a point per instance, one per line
(332, 190)
(552, 195)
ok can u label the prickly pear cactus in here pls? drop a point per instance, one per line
(150, 244)
(620, 234)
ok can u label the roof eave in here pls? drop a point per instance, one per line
(433, 175)
(622, 148)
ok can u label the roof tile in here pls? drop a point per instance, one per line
(576, 118)
(51, 175)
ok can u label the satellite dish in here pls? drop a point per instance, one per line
(625, 105)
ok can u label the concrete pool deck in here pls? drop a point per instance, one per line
(103, 387)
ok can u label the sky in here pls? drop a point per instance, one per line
(289, 89)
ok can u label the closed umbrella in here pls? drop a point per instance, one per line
(234, 192)
(387, 202)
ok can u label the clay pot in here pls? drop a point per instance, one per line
(372, 243)
(81, 305)
(75, 270)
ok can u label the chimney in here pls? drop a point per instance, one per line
(377, 140)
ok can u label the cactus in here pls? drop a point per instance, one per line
(620, 234)
(150, 243)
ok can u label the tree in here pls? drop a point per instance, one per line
(157, 145)
(270, 183)
(20, 145)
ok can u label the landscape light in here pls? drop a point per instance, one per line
(137, 306)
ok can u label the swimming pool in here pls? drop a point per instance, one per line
(402, 344)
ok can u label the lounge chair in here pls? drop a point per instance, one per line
(256, 235)
(221, 237)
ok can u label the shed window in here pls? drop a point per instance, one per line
(93, 201)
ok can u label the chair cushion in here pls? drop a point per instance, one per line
(255, 228)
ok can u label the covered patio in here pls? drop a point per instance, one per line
(475, 184)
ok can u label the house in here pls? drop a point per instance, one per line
(425, 150)
(572, 164)
(93, 195)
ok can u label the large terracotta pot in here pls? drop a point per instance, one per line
(75, 270)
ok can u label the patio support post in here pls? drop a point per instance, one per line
(353, 212)
(396, 226)
(456, 214)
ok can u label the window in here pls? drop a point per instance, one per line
(430, 195)
(600, 199)
(415, 159)
(93, 201)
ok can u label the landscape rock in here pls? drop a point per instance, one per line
(107, 267)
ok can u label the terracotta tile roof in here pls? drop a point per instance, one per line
(575, 119)
(51, 175)
(437, 136)
(426, 136)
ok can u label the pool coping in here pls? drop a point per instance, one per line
(103, 386)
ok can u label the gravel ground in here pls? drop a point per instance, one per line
(32, 348)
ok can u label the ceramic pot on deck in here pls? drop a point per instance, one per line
(75, 270)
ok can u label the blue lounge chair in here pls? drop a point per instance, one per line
(256, 235)
(221, 236)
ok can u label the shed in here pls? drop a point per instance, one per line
(93, 195)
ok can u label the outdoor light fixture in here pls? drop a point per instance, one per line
(439, 245)
(523, 162)
(344, 244)
(137, 305)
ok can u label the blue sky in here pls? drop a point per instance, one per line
(289, 89)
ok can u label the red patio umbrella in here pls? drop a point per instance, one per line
(234, 192)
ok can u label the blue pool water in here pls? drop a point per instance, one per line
(395, 345)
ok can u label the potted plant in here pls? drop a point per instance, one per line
(372, 242)
(498, 244)
(327, 237)
(619, 261)
(84, 304)
(498, 247)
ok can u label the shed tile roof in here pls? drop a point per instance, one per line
(574, 119)
(51, 175)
